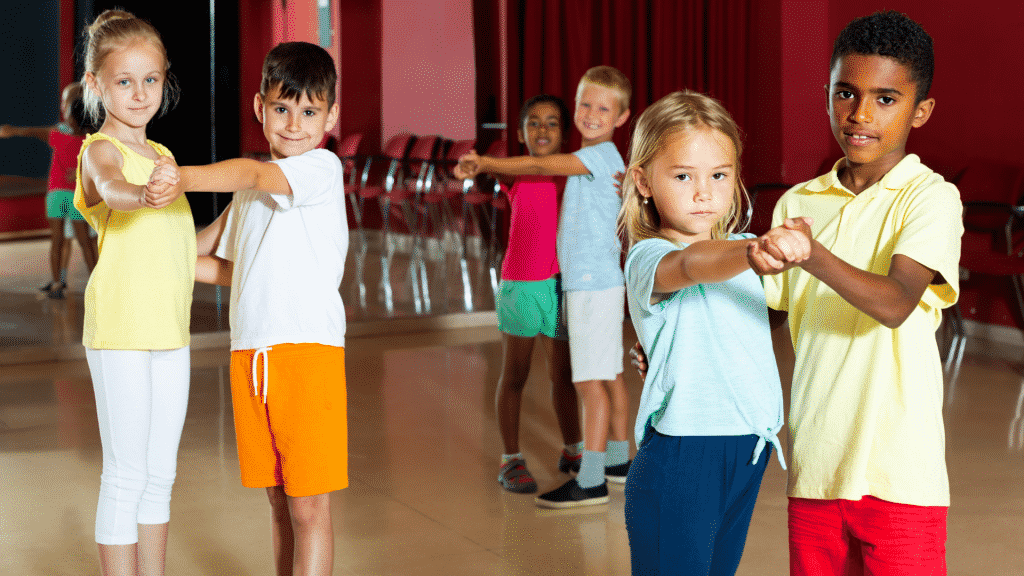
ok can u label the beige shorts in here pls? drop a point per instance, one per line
(595, 332)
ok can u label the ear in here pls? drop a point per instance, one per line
(923, 112)
(622, 119)
(257, 107)
(332, 117)
(519, 133)
(640, 179)
(91, 84)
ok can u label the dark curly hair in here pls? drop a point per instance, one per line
(563, 110)
(891, 34)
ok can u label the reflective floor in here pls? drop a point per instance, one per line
(424, 450)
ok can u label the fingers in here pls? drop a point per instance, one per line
(762, 262)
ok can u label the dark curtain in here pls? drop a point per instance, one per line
(661, 45)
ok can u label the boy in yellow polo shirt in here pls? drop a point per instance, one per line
(868, 486)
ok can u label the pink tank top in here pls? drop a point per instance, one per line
(65, 157)
(531, 254)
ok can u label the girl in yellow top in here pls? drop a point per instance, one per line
(139, 297)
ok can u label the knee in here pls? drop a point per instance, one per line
(514, 380)
(310, 510)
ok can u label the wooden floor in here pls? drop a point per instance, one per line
(424, 451)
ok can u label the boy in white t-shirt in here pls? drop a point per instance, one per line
(281, 246)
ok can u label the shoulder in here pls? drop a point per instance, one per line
(101, 151)
(651, 246)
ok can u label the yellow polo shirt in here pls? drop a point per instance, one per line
(866, 407)
(139, 297)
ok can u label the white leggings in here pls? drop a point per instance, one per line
(141, 396)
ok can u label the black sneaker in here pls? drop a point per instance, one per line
(570, 495)
(617, 473)
(567, 462)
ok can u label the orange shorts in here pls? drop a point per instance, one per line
(291, 425)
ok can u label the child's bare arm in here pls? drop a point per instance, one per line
(888, 299)
(551, 165)
(38, 132)
(208, 238)
(233, 175)
(102, 180)
(214, 270)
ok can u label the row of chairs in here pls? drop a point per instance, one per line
(415, 188)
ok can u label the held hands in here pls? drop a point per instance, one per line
(469, 165)
(164, 186)
(781, 248)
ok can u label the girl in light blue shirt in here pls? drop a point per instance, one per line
(711, 407)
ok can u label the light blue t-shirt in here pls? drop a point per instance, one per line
(589, 249)
(711, 367)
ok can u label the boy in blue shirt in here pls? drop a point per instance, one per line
(589, 253)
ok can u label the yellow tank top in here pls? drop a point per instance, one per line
(139, 297)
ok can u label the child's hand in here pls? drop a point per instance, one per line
(639, 360)
(782, 247)
(164, 186)
(619, 177)
(469, 165)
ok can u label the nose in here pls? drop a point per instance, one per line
(862, 111)
(702, 191)
(293, 123)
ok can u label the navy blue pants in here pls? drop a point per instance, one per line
(688, 503)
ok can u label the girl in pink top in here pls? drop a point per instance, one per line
(65, 139)
(528, 301)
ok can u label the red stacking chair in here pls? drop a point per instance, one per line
(394, 156)
(347, 150)
(993, 240)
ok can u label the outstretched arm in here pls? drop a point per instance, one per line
(710, 261)
(102, 181)
(888, 299)
(38, 132)
(233, 175)
(472, 164)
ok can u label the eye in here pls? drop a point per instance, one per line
(719, 176)
(309, 113)
(280, 109)
(844, 94)
(682, 177)
(151, 80)
(533, 124)
(123, 82)
(554, 125)
(886, 100)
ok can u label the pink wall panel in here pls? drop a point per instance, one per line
(427, 68)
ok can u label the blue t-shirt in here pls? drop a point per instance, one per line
(712, 369)
(589, 250)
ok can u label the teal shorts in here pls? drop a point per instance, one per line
(526, 309)
(61, 204)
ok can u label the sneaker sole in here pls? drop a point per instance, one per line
(572, 504)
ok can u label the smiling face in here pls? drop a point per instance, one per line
(131, 85)
(871, 108)
(598, 113)
(542, 130)
(291, 126)
(692, 183)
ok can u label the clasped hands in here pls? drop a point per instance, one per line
(164, 186)
(468, 166)
(782, 247)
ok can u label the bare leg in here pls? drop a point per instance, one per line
(118, 560)
(619, 417)
(281, 531)
(152, 549)
(563, 393)
(515, 368)
(90, 253)
(314, 534)
(596, 413)
(56, 246)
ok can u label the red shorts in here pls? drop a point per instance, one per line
(290, 421)
(866, 536)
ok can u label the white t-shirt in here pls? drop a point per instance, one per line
(289, 257)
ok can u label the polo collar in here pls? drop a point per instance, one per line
(905, 171)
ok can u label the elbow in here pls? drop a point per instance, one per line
(894, 318)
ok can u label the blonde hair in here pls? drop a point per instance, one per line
(670, 116)
(113, 30)
(611, 78)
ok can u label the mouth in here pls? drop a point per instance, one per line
(542, 142)
(590, 126)
(859, 138)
